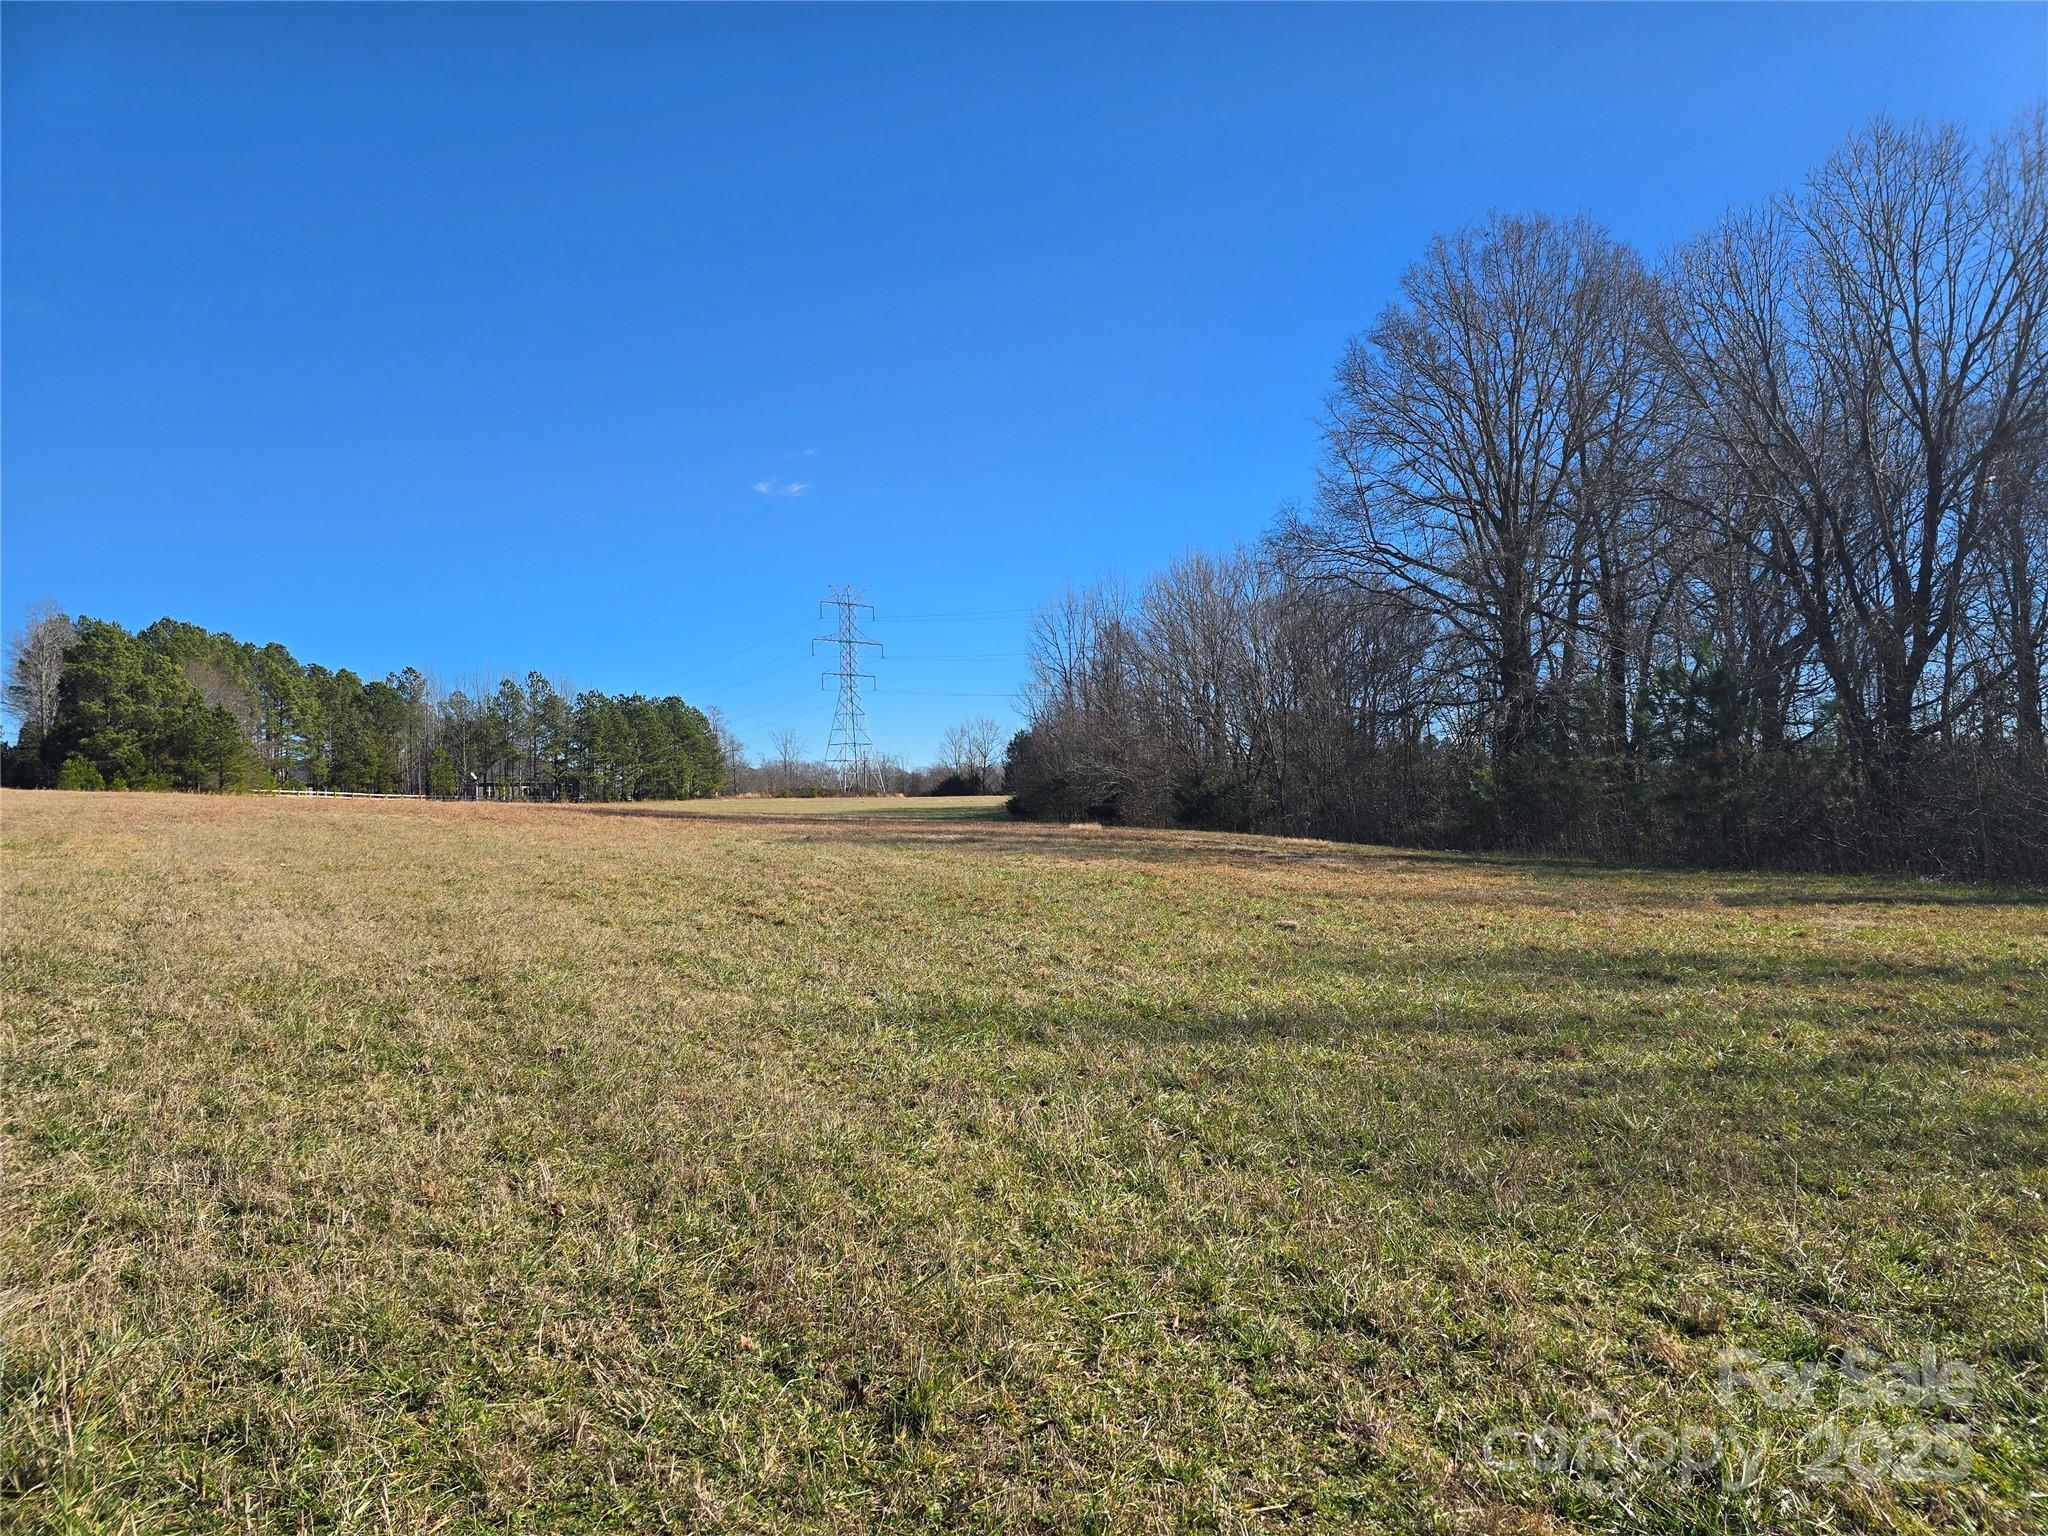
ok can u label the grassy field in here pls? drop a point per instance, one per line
(386, 1166)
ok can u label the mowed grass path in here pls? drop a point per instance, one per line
(385, 1166)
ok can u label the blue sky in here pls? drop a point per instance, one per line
(604, 339)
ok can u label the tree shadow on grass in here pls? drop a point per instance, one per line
(1832, 1015)
(1545, 881)
(1840, 1096)
(911, 812)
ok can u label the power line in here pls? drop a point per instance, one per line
(981, 656)
(716, 662)
(849, 762)
(849, 748)
(933, 618)
(762, 709)
(780, 666)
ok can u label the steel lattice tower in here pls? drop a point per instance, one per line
(850, 749)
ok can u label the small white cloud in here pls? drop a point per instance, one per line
(765, 487)
(796, 488)
(775, 486)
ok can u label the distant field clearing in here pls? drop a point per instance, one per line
(899, 807)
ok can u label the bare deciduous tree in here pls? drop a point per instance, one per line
(1863, 355)
(1499, 399)
(969, 749)
(35, 667)
(732, 752)
(788, 748)
(1738, 560)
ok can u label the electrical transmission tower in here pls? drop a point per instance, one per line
(850, 750)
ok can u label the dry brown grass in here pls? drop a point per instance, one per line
(389, 1166)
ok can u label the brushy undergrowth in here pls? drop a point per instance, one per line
(466, 1168)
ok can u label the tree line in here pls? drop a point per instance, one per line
(176, 707)
(1735, 557)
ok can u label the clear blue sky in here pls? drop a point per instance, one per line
(495, 337)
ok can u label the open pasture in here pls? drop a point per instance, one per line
(374, 1166)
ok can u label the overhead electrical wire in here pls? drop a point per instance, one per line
(742, 682)
(934, 618)
(747, 650)
(762, 709)
(982, 656)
